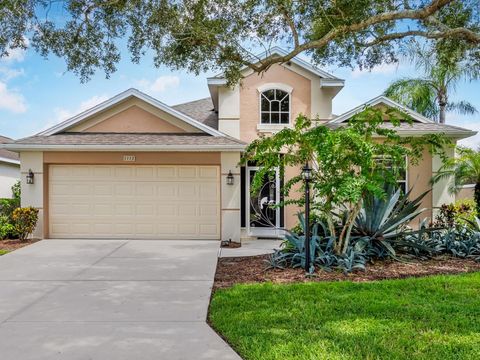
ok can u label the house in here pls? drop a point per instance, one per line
(9, 169)
(134, 167)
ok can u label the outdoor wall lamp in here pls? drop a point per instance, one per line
(30, 177)
(230, 178)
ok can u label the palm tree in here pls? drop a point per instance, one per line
(429, 95)
(462, 169)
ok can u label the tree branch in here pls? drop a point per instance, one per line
(340, 31)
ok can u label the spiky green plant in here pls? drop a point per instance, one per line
(384, 219)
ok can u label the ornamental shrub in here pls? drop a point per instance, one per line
(25, 219)
(7, 229)
(7, 206)
(459, 213)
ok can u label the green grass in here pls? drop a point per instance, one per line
(3, 252)
(426, 318)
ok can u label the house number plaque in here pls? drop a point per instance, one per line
(129, 158)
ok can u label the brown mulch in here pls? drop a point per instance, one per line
(231, 245)
(231, 271)
(15, 244)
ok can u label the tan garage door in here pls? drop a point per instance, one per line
(134, 201)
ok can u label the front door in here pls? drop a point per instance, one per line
(263, 217)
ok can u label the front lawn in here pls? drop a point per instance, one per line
(417, 318)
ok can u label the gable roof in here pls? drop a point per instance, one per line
(385, 101)
(6, 156)
(121, 97)
(420, 126)
(219, 79)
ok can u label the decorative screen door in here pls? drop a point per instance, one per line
(263, 217)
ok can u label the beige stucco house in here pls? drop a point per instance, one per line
(9, 169)
(134, 167)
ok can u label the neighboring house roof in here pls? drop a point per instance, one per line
(65, 125)
(128, 141)
(8, 156)
(385, 101)
(201, 110)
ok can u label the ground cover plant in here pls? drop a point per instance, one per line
(417, 318)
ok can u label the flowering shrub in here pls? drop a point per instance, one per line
(24, 220)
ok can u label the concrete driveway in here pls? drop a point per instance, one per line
(109, 299)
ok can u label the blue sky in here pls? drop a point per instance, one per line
(36, 93)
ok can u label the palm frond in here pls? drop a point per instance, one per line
(462, 107)
(417, 94)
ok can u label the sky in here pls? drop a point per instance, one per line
(37, 93)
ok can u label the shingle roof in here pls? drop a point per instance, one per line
(10, 155)
(422, 128)
(201, 110)
(124, 139)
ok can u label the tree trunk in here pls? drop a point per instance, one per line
(476, 196)
(343, 240)
(442, 115)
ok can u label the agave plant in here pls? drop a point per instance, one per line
(382, 221)
(352, 260)
(293, 249)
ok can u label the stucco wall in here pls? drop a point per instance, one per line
(134, 120)
(9, 175)
(419, 177)
(230, 197)
(466, 192)
(32, 194)
(156, 158)
(300, 102)
(141, 122)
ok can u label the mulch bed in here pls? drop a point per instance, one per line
(11, 245)
(231, 271)
(231, 245)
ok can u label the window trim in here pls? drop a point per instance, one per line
(405, 180)
(274, 86)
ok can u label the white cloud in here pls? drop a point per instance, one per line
(15, 55)
(160, 84)
(474, 141)
(383, 69)
(11, 100)
(63, 114)
(7, 73)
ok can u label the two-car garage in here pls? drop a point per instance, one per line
(134, 201)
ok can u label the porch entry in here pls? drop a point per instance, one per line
(260, 216)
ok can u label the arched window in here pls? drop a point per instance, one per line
(274, 107)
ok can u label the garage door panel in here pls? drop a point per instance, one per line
(207, 172)
(134, 201)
